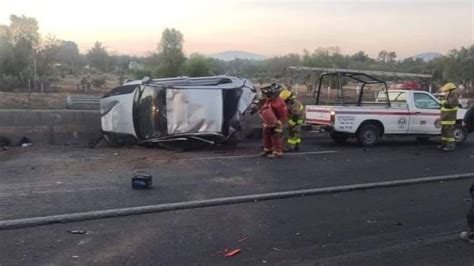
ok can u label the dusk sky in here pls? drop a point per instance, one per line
(266, 27)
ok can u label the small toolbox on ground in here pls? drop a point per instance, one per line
(141, 181)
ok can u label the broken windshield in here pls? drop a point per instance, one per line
(148, 113)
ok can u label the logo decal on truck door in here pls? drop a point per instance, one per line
(402, 122)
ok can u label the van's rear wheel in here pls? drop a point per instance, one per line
(368, 135)
(460, 133)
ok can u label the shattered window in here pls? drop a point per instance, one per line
(148, 113)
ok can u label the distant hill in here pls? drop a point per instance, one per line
(231, 55)
(427, 56)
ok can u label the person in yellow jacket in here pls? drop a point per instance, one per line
(449, 108)
(295, 119)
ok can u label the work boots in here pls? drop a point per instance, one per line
(275, 156)
(447, 149)
(467, 236)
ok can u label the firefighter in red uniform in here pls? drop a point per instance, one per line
(274, 113)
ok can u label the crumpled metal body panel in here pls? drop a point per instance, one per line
(193, 111)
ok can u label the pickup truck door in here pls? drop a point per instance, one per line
(425, 114)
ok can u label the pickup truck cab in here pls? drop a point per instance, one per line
(367, 110)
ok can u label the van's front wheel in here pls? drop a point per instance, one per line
(368, 135)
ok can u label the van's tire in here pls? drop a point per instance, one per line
(460, 133)
(339, 137)
(368, 135)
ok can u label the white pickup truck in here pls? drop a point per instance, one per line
(366, 113)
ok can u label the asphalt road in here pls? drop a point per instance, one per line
(409, 225)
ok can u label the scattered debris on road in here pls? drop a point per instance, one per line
(25, 142)
(233, 252)
(4, 143)
(243, 239)
(77, 232)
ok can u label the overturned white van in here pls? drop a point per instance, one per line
(175, 111)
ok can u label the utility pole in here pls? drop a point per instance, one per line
(34, 70)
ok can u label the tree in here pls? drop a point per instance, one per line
(360, 57)
(46, 57)
(385, 56)
(6, 50)
(198, 65)
(68, 55)
(19, 42)
(170, 56)
(24, 29)
(98, 57)
(392, 56)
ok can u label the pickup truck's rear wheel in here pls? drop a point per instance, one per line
(460, 133)
(339, 137)
(368, 135)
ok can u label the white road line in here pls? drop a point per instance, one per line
(84, 216)
(254, 156)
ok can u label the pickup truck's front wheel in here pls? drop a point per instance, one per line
(460, 133)
(368, 135)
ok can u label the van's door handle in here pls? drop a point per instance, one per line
(417, 113)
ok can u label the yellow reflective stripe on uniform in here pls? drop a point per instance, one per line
(443, 101)
(299, 121)
(279, 130)
(301, 107)
(293, 141)
(443, 109)
(291, 122)
(448, 139)
(448, 123)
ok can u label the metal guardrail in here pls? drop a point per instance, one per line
(82, 102)
(370, 72)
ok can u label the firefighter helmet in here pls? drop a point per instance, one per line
(272, 91)
(448, 87)
(285, 94)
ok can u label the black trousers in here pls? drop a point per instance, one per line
(470, 215)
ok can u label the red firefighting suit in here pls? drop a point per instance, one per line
(274, 113)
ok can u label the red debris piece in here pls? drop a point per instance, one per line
(233, 253)
(243, 239)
